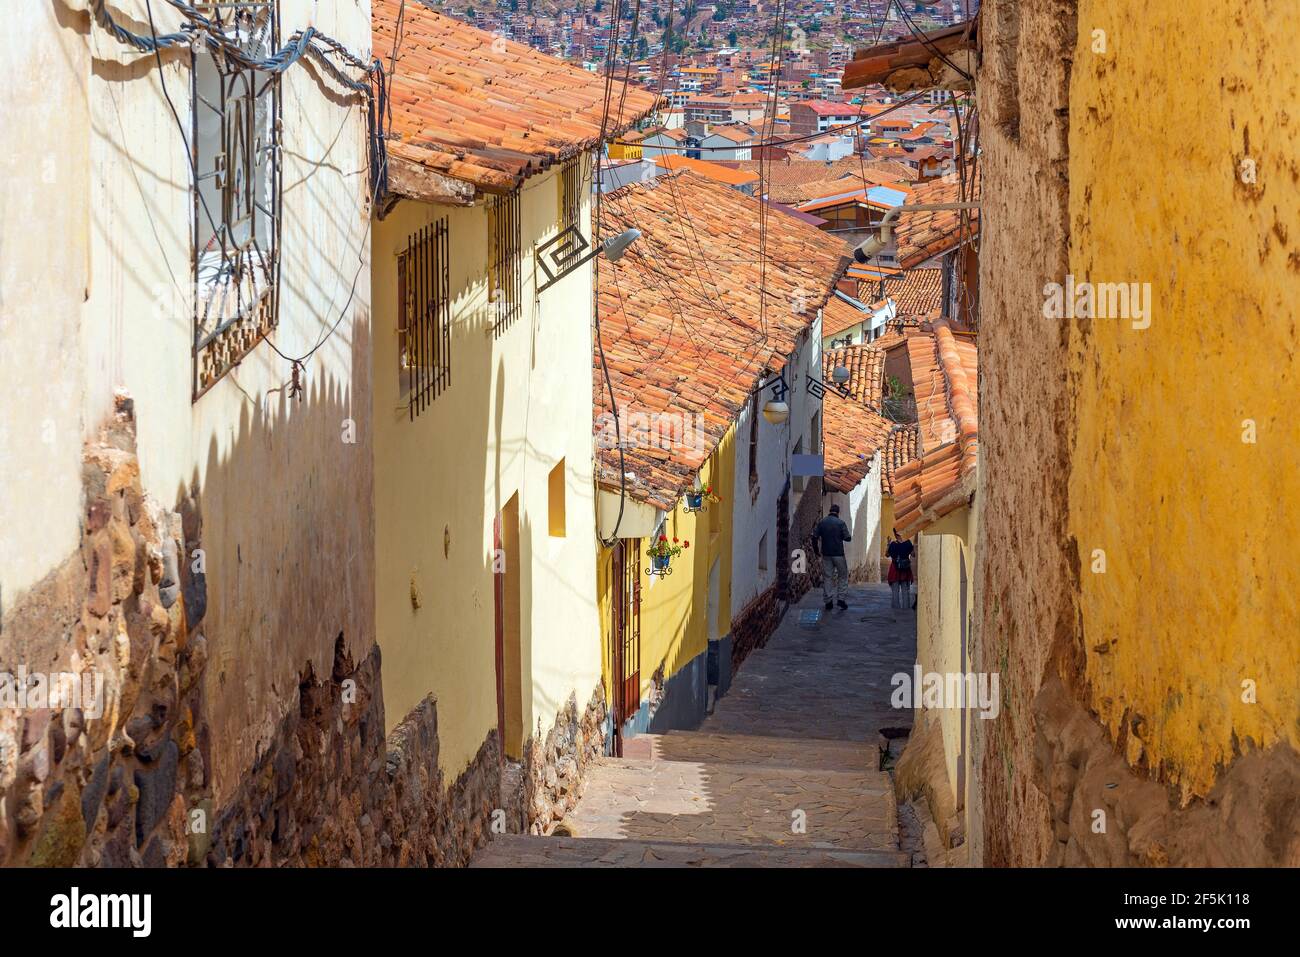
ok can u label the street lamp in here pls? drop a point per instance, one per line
(776, 412)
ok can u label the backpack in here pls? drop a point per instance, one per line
(903, 563)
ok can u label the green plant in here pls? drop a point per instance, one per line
(662, 548)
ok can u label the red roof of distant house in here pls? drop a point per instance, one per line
(714, 171)
(482, 109)
(831, 108)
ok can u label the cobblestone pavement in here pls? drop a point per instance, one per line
(785, 773)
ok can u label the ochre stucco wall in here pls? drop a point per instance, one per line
(1198, 527)
(674, 608)
(517, 404)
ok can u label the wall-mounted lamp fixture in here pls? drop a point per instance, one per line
(776, 412)
(565, 252)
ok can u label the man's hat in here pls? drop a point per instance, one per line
(835, 510)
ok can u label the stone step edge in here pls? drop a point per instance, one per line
(647, 765)
(575, 843)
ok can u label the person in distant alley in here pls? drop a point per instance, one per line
(900, 572)
(831, 534)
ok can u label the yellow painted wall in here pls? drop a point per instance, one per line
(940, 556)
(517, 404)
(886, 523)
(1198, 527)
(674, 615)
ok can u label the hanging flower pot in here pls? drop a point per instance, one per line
(696, 499)
(661, 554)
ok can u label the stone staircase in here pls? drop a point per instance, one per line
(691, 799)
(785, 773)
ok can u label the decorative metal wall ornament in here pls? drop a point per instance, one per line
(778, 386)
(817, 387)
(561, 254)
(569, 249)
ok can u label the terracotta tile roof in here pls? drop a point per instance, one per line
(877, 197)
(918, 294)
(714, 171)
(676, 134)
(907, 64)
(945, 383)
(845, 182)
(680, 316)
(866, 365)
(737, 134)
(852, 434)
(785, 177)
(902, 447)
(829, 108)
(924, 235)
(482, 109)
(839, 314)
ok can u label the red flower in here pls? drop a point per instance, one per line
(686, 545)
(663, 538)
(674, 538)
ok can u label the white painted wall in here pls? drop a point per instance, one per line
(861, 509)
(755, 512)
(97, 278)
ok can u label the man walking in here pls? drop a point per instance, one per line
(831, 534)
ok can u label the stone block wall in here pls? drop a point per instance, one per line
(106, 778)
(131, 786)
(753, 625)
(554, 767)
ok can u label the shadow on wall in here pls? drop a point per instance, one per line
(284, 518)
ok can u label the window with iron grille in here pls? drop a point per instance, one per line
(505, 276)
(753, 440)
(236, 195)
(424, 316)
(572, 180)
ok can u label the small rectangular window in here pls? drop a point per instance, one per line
(555, 497)
(505, 275)
(762, 553)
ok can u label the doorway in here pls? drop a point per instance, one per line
(505, 595)
(625, 635)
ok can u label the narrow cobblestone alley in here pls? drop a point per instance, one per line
(798, 731)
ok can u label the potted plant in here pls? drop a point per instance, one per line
(661, 553)
(696, 498)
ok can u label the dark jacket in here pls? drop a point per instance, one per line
(831, 534)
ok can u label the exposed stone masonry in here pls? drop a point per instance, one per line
(131, 786)
(108, 781)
